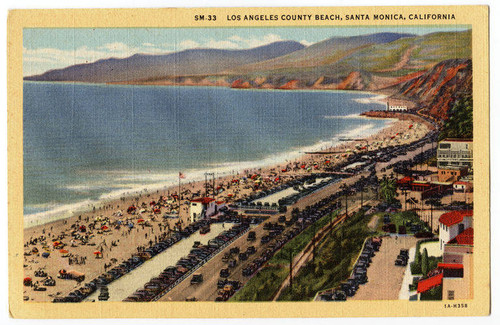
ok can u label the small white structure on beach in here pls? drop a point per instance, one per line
(201, 208)
(396, 106)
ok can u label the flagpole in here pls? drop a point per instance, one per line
(179, 194)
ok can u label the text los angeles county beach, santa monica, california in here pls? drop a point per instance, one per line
(326, 17)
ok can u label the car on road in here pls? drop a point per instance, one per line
(224, 273)
(197, 278)
(251, 236)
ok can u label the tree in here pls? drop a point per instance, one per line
(387, 189)
(418, 257)
(459, 123)
(425, 262)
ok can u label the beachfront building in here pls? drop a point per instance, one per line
(454, 273)
(202, 208)
(454, 153)
(452, 224)
(393, 105)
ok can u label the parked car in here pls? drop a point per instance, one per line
(197, 278)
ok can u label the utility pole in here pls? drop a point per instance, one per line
(314, 242)
(405, 192)
(344, 188)
(291, 275)
(206, 183)
(213, 184)
(362, 198)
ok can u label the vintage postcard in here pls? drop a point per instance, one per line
(249, 162)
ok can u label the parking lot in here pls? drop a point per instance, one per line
(385, 278)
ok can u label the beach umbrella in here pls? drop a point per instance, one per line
(27, 281)
(97, 253)
(284, 170)
(45, 254)
(63, 251)
(56, 243)
(303, 166)
(140, 220)
(230, 195)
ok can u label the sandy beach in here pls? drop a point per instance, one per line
(106, 226)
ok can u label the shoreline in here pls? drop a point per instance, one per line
(86, 205)
(127, 242)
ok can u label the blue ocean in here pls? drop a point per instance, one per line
(84, 143)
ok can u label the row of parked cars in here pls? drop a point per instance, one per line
(172, 275)
(358, 276)
(130, 264)
(279, 235)
(403, 257)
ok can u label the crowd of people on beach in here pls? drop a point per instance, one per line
(155, 216)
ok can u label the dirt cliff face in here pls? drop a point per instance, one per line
(436, 90)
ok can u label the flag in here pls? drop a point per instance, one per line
(181, 175)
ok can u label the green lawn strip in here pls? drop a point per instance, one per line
(400, 218)
(298, 243)
(267, 281)
(334, 260)
(263, 285)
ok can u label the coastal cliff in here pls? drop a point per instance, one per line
(431, 70)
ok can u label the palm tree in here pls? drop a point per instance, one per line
(387, 189)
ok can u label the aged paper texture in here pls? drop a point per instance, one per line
(249, 162)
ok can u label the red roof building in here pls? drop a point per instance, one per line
(405, 181)
(203, 200)
(451, 218)
(465, 238)
(430, 283)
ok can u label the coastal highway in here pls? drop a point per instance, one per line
(207, 290)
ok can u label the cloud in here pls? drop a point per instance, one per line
(188, 44)
(235, 38)
(232, 42)
(306, 42)
(267, 39)
(221, 44)
(42, 59)
(116, 47)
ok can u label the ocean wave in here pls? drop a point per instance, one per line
(128, 183)
(350, 116)
(377, 99)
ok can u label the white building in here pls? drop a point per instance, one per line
(455, 153)
(202, 208)
(453, 223)
(397, 108)
(461, 187)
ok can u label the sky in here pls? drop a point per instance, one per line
(52, 48)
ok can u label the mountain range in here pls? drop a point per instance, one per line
(398, 64)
